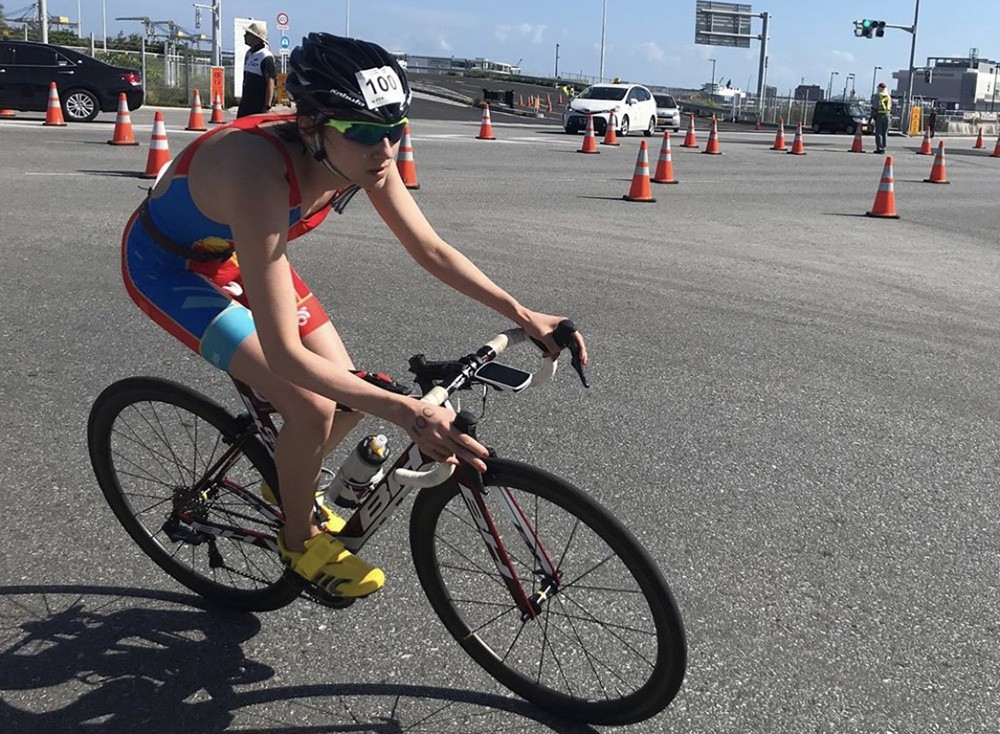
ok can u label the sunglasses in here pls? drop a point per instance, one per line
(369, 133)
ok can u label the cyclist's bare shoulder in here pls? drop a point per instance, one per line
(233, 171)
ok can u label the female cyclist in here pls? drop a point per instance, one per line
(246, 190)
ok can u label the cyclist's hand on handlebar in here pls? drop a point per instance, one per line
(541, 328)
(432, 429)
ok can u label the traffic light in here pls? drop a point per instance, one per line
(868, 27)
(928, 75)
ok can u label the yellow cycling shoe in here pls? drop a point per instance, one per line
(328, 519)
(329, 565)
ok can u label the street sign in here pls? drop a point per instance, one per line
(282, 21)
(722, 24)
(285, 44)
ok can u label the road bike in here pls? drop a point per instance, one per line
(539, 584)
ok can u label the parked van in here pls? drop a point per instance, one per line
(837, 116)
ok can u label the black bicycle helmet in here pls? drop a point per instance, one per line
(339, 78)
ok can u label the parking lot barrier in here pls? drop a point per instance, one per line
(640, 190)
(939, 174)
(123, 134)
(53, 114)
(885, 197)
(404, 161)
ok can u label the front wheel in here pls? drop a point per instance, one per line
(607, 645)
(624, 127)
(815, 127)
(184, 478)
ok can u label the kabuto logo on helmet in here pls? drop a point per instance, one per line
(380, 87)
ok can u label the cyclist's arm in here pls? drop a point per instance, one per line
(400, 212)
(259, 224)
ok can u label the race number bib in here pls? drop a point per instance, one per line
(380, 87)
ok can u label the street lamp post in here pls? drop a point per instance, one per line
(604, 23)
(874, 74)
(557, 61)
(847, 80)
(712, 88)
(829, 87)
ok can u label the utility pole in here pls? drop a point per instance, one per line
(43, 20)
(904, 119)
(604, 23)
(216, 8)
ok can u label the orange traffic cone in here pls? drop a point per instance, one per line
(404, 161)
(196, 120)
(756, 125)
(486, 128)
(979, 140)
(798, 147)
(159, 151)
(858, 145)
(779, 137)
(885, 199)
(549, 98)
(7, 113)
(218, 116)
(589, 139)
(561, 103)
(520, 100)
(712, 147)
(690, 141)
(996, 149)
(665, 165)
(53, 114)
(640, 190)
(938, 173)
(925, 145)
(123, 124)
(610, 134)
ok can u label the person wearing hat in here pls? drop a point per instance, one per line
(882, 110)
(259, 72)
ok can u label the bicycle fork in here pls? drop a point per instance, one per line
(530, 605)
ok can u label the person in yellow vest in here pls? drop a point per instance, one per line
(882, 111)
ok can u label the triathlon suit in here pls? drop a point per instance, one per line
(180, 267)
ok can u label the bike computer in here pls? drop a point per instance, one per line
(503, 377)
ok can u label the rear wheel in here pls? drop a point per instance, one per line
(651, 128)
(850, 129)
(80, 105)
(184, 478)
(624, 126)
(607, 645)
(816, 128)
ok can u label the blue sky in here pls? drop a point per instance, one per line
(650, 41)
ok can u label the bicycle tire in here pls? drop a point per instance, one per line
(150, 440)
(464, 588)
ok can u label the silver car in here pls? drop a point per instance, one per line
(668, 114)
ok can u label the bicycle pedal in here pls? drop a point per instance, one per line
(316, 594)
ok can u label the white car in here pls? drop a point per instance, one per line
(668, 114)
(633, 105)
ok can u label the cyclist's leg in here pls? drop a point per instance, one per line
(309, 430)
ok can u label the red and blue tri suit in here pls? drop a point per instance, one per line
(180, 268)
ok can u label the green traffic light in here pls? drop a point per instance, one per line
(866, 23)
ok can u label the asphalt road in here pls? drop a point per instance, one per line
(794, 407)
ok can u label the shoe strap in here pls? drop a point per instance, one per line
(320, 550)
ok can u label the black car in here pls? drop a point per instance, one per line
(86, 86)
(836, 116)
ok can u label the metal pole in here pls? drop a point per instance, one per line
(904, 117)
(712, 88)
(874, 73)
(216, 32)
(557, 61)
(43, 19)
(347, 20)
(604, 23)
(79, 21)
(762, 69)
(104, 22)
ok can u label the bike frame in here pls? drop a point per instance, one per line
(389, 493)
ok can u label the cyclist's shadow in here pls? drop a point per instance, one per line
(174, 669)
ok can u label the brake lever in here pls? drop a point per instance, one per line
(563, 337)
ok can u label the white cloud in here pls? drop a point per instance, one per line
(533, 33)
(651, 51)
(843, 56)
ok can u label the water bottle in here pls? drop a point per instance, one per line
(361, 471)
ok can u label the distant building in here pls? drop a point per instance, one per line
(449, 64)
(809, 93)
(954, 83)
